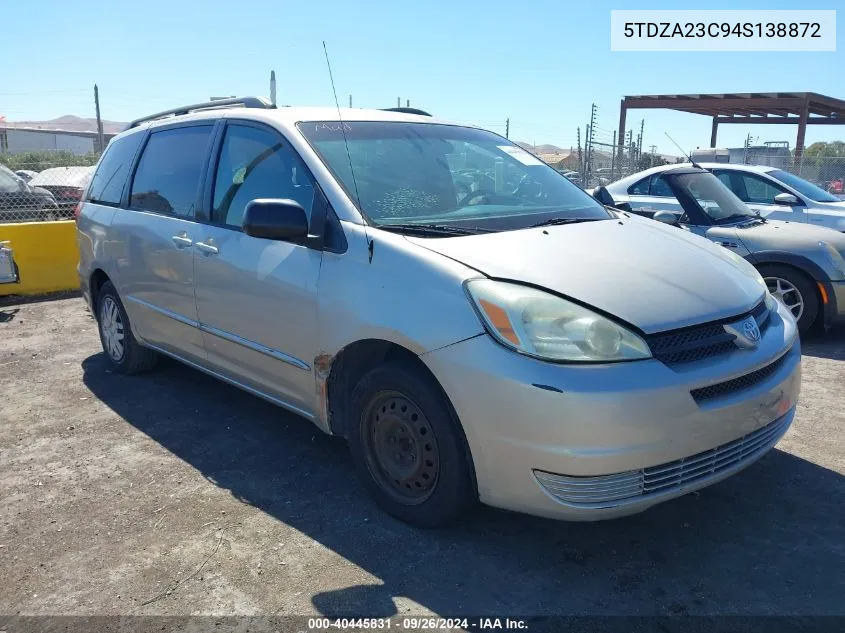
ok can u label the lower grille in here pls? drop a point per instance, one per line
(737, 384)
(664, 479)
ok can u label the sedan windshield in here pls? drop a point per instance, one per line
(804, 187)
(402, 174)
(713, 198)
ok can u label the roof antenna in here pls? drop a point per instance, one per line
(687, 156)
(348, 155)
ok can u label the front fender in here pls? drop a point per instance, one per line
(801, 262)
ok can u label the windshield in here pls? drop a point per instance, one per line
(717, 201)
(9, 182)
(804, 187)
(424, 173)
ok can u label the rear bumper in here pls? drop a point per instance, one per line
(85, 287)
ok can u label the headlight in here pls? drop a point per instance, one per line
(540, 324)
(834, 257)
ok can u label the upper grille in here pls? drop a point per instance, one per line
(664, 479)
(701, 341)
(736, 384)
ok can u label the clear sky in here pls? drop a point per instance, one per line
(540, 63)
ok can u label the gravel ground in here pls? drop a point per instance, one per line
(171, 493)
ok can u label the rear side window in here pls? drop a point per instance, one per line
(107, 184)
(168, 175)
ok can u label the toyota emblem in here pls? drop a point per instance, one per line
(750, 329)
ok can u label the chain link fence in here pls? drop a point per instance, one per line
(826, 172)
(43, 186)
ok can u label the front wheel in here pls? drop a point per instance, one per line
(795, 291)
(408, 446)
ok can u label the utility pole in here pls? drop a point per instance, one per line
(100, 143)
(585, 167)
(653, 154)
(630, 144)
(613, 158)
(507, 128)
(640, 139)
(590, 133)
(580, 157)
(273, 87)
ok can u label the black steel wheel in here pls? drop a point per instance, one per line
(400, 447)
(408, 446)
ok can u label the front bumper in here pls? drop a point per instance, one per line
(591, 442)
(834, 308)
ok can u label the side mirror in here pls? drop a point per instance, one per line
(603, 195)
(786, 199)
(667, 217)
(275, 219)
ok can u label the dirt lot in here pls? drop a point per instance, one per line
(171, 493)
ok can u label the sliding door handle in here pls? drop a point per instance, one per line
(208, 249)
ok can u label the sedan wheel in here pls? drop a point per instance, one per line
(787, 294)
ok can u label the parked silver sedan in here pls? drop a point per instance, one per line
(510, 340)
(802, 264)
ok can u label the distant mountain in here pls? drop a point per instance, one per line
(71, 123)
(544, 148)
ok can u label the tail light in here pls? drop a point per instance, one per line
(77, 210)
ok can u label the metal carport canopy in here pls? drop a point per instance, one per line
(798, 108)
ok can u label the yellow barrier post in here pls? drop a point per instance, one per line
(46, 254)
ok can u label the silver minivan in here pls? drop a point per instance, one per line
(476, 326)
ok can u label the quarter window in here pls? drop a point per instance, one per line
(654, 185)
(660, 188)
(256, 163)
(168, 175)
(107, 184)
(639, 188)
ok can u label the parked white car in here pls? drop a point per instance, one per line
(772, 192)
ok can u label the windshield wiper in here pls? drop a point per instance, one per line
(735, 217)
(431, 229)
(556, 221)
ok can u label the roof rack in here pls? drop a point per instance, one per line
(246, 102)
(407, 111)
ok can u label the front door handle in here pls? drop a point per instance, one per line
(208, 249)
(182, 240)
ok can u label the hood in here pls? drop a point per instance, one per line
(774, 235)
(833, 212)
(648, 274)
(831, 206)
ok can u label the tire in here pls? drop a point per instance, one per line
(124, 353)
(427, 481)
(802, 289)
